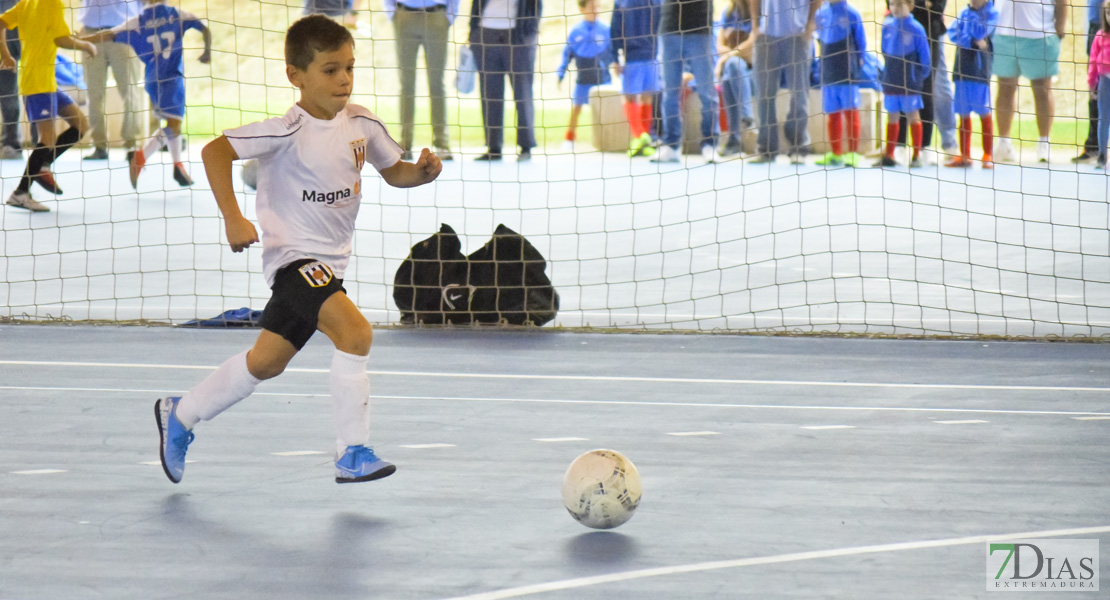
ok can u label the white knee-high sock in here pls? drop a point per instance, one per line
(229, 384)
(155, 144)
(350, 393)
(174, 141)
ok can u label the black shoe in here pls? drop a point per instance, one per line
(1086, 156)
(406, 156)
(181, 176)
(130, 155)
(885, 161)
(98, 154)
(524, 156)
(1100, 162)
(490, 156)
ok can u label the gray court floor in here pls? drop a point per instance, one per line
(772, 467)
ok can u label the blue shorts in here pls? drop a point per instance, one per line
(840, 96)
(582, 93)
(903, 103)
(972, 97)
(640, 77)
(45, 106)
(167, 97)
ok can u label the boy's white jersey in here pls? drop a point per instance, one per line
(310, 181)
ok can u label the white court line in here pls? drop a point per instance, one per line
(298, 453)
(962, 422)
(39, 472)
(425, 374)
(692, 433)
(824, 427)
(911, 409)
(560, 439)
(425, 446)
(568, 584)
(1100, 418)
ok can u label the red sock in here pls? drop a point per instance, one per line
(891, 135)
(853, 130)
(916, 135)
(836, 132)
(988, 133)
(965, 137)
(632, 113)
(645, 117)
(570, 135)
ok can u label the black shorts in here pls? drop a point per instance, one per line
(300, 289)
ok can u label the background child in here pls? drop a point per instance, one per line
(843, 41)
(634, 30)
(1098, 78)
(156, 37)
(906, 54)
(43, 30)
(733, 71)
(588, 46)
(309, 192)
(972, 75)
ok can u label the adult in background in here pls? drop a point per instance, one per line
(424, 23)
(10, 146)
(1090, 145)
(504, 35)
(1027, 44)
(783, 38)
(344, 11)
(97, 16)
(686, 37)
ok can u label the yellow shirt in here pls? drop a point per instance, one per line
(40, 22)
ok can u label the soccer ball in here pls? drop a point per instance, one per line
(601, 489)
(250, 174)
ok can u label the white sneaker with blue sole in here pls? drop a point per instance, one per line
(175, 438)
(359, 463)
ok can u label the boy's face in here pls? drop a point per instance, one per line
(900, 9)
(589, 10)
(327, 82)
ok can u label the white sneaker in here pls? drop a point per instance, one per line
(928, 157)
(24, 200)
(568, 146)
(1044, 151)
(709, 153)
(1004, 151)
(666, 154)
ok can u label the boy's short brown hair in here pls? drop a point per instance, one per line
(312, 34)
(582, 3)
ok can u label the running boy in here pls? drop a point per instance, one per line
(309, 191)
(588, 45)
(906, 53)
(971, 32)
(43, 30)
(634, 30)
(156, 37)
(1098, 79)
(843, 42)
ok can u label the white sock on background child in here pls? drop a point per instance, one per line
(155, 144)
(350, 393)
(229, 384)
(174, 142)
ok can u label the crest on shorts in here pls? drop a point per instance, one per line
(316, 273)
(358, 148)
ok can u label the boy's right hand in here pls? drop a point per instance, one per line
(7, 63)
(240, 234)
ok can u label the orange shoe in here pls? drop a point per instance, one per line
(959, 161)
(137, 163)
(181, 176)
(988, 161)
(45, 179)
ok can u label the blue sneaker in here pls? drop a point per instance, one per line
(359, 463)
(175, 438)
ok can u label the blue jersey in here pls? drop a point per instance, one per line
(634, 28)
(842, 38)
(906, 54)
(973, 63)
(588, 45)
(156, 37)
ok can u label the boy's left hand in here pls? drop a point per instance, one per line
(429, 165)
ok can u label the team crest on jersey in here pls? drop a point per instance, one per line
(316, 273)
(358, 148)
